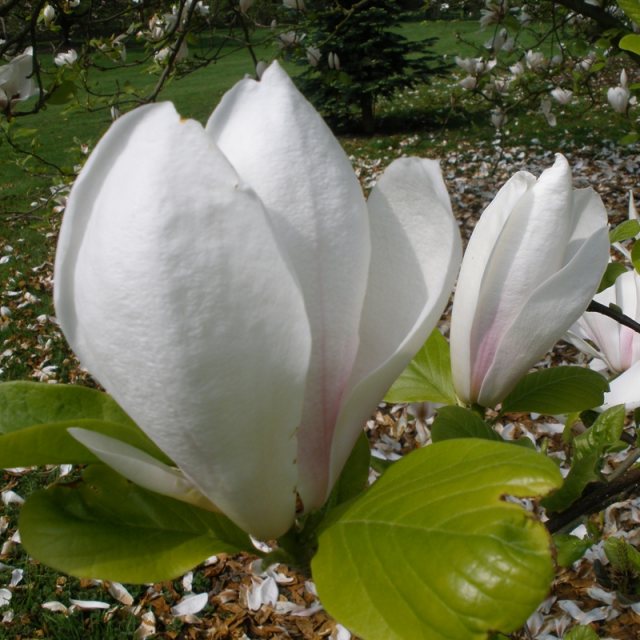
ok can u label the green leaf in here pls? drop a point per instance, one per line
(459, 422)
(52, 444)
(588, 450)
(432, 550)
(23, 404)
(35, 417)
(581, 633)
(428, 376)
(108, 528)
(557, 390)
(354, 476)
(631, 8)
(570, 549)
(624, 231)
(624, 558)
(62, 93)
(612, 272)
(635, 256)
(630, 42)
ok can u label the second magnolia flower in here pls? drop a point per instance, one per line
(235, 293)
(533, 264)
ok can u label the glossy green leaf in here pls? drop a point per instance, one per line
(34, 419)
(458, 422)
(108, 528)
(611, 274)
(428, 376)
(630, 42)
(52, 444)
(588, 450)
(432, 551)
(23, 404)
(557, 390)
(581, 633)
(624, 231)
(570, 549)
(631, 8)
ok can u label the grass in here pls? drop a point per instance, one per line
(430, 121)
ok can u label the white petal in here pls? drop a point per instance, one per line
(279, 144)
(477, 254)
(551, 309)
(171, 289)
(190, 605)
(625, 389)
(141, 468)
(416, 252)
(89, 604)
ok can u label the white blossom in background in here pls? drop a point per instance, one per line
(48, 15)
(613, 346)
(532, 265)
(517, 69)
(202, 9)
(494, 12)
(245, 5)
(17, 81)
(66, 58)
(498, 118)
(545, 108)
(501, 41)
(288, 39)
(469, 82)
(167, 216)
(618, 97)
(472, 66)
(294, 4)
(561, 96)
(314, 56)
(535, 60)
(333, 60)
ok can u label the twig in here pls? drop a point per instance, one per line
(613, 313)
(596, 500)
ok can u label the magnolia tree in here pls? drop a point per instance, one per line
(245, 309)
(544, 56)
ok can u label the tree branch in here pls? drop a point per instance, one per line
(614, 314)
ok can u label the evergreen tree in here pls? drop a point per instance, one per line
(355, 56)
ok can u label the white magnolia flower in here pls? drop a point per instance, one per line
(468, 83)
(618, 97)
(615, 347)
(333, 60)
(235, 293)
(66, 58)
(535, 60)
(202, 9)
(533, 263)
(498, 118)
(17, 81)
(545, 107)
(48, 14)
(314, 55)
(471, 65)
(561, 96)
(517, 69)
(245, 5)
